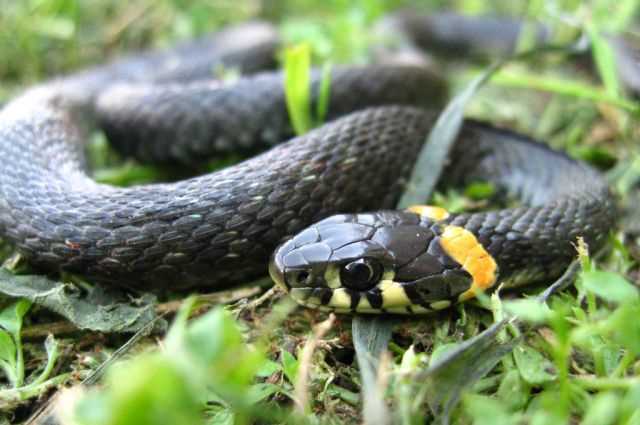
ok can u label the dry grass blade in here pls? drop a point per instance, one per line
(301, 390)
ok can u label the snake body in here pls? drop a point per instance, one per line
(219, 229)
(426, 259)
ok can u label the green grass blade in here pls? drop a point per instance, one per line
(297, 86)
(457, 370)
(605, 61)
(324, 94)
(563, 87)
(431, 159)
(53, 352)
(433, 155)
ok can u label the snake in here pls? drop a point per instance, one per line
(315, 210)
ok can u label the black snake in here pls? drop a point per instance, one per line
(219, 229)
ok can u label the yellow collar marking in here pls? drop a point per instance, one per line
(393, 296)
(429, 211)
(461, 245)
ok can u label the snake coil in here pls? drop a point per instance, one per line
(219, 229)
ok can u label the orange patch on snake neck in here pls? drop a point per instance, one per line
(461, 245)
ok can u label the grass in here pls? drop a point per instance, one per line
(574, 357)
(297, 71)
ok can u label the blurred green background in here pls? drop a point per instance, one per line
(45, 37)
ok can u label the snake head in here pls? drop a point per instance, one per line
(383, 262)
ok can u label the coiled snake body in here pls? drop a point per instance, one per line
(219, 229)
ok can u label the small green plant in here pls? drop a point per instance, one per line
(205, 370)
(599, 332)
(12, 358)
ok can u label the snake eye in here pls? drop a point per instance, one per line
(361, 274)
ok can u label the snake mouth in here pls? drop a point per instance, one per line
(305, 296)
(323, 299)
(388, 298)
